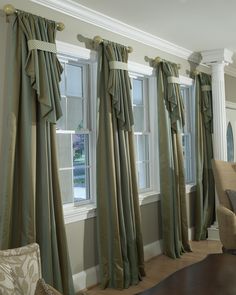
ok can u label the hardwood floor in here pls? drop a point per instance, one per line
(161, 266)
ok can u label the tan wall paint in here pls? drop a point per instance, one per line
(2, 67)
(230, 88)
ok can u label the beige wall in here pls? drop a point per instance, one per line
(230, 88)
(2, 66)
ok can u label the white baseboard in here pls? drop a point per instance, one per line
(191, 233)
(213, 233)
(90, 276)
(86, 278)
(152, 250)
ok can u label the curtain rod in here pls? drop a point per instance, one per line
(10, 9)
(98, 40)
(157, 60)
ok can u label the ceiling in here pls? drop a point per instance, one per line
(193, 24)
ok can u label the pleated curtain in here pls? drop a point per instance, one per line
(118, 213)
(205, 192)
(30, 204)
(172, 176)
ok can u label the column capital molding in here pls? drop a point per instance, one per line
(217, 56)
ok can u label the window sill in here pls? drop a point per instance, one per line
(191, 187)
(83, 212)
(149, 197)
(79, 213)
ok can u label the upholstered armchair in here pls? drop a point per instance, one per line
(225, 181)
(20, 272)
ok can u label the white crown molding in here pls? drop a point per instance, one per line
(98, 19)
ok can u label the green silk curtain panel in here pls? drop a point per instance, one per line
(31, 207)
(205, 193)
(119, 229)
(172, 178)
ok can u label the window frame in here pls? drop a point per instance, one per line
(75, 211)
(146, 130)
(188, 83)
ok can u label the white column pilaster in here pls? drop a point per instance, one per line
(219, 111)
(217, 60)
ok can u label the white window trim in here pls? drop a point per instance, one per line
(83, 212)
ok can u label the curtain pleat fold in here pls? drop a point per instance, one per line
(31, 207)
(119, 227)
(172, 177)
(205, 192)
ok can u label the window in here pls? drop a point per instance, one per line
(75, 132)
(141, 130)
(188, 135)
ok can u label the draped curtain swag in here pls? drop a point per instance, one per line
(205, 193)
(119, 226)
(31, 207)
(172, 178)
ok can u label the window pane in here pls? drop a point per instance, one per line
(73, 144)
(137, 92)
(66, 178)
(142, 148)
(64, 149)
(143, 175)
(138, 119)
(81, 184)
(187, 152)
(80, 165)
(74, 81)
(61, 123)
(75, 111)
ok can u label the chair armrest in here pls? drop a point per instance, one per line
(227, 227)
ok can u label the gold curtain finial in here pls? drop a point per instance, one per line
(10, 9)
(60, 26)
(196, 72)
(156, 61)
(98, 40)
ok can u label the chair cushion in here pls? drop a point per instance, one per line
(25, 267)
(44, 289)
(7, 281)
(232, 198)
